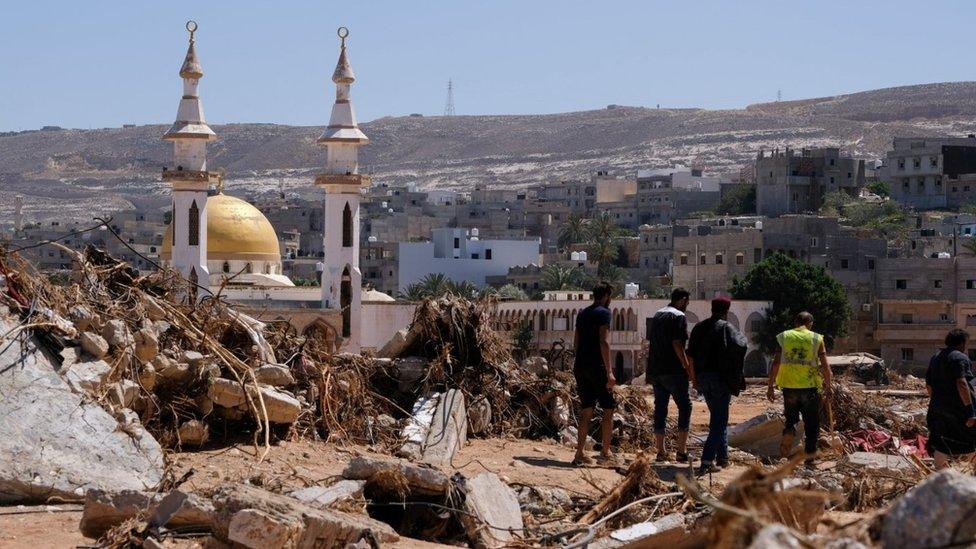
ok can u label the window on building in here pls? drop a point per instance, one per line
(934, 161)
(905, 185)
(921, 185)
(718, 259)
(193, 234)
(849, 175)
(457, 243)
(916, 163)
(938, 182)
(907, 353)
(683, 260)
(901, 163)
(907, 318)
(756, 255)
(814, 242)
(475, 256)
(831, 180)
(871, 264)
(943, 317)
(901, 284)
(965, 188)
(937, 283)
(845, 264)
(248, 268)
(971, 284)
(226, 267)
(488, 253)
(740, 259)
(347, 226)
(701, 260)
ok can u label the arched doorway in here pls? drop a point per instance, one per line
(345, 302)
(618, 368)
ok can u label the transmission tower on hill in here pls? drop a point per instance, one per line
(449, 106)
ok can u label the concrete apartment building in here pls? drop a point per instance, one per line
(707, 257)
(655, 249)
(788, 182)
(931, 173)
(918, 302)
(461, 255)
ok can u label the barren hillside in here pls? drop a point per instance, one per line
(111, 166)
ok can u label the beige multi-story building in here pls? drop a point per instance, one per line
(787, 182)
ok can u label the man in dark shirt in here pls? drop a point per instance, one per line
(716, 351)
(669, 371)
(594, 378)
(951, 416)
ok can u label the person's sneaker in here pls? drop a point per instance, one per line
(662, 457)
(681, 457)
(707, 468)
(722, 464)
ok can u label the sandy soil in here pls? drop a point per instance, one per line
(293, 465)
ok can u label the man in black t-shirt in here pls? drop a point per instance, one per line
(669, 371)
(594, 378)
(951, 415)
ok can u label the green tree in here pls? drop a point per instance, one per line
(969, 208)
(574, 230)
(512, 292)
(522, 339)
(793, 286)
(603, 228)
(738, 200)
(835, 203)
(880, 188)
(559, 277)
(603, 252)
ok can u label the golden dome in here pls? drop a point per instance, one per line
(235, 230)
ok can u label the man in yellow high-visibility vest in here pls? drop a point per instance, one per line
(801, 371)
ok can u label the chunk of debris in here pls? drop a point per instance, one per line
(937, 512)
(535, 365)
(424, 480)
(448, 431)
(83, 447)
(117, 334)
(409, 372)
(93, 344)
(667, 531)
(194, 433)
(494, 517)
(417, 427)
(402, 339)
(226, 393)
(104, 510)
(255, 518)
(775, 536)
(280, 405)
(275, 375)
(479, 416)
(762, 434)
(86, 377)
(147, 346)
(878, 462)
(323, 496)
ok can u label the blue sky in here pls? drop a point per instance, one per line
(100, 64)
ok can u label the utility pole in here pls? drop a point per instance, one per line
(449, 106)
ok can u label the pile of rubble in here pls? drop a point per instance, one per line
(100, 373)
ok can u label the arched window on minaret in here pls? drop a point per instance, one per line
(226, 267)
(347, 226)
(193, 237)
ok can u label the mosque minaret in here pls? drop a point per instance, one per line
(189, 176)
(341, 277)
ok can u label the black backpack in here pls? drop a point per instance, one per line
(736, 346)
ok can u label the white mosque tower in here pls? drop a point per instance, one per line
(189, 176)
(341, 277)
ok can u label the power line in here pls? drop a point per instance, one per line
(449, 106)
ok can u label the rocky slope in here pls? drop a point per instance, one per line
(115, 165)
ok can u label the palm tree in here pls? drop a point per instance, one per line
(512, 292)
(463, 289)
(602, 227)
(604, 252)
(559, 277)
(576, 229)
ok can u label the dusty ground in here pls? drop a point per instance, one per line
(293, 465)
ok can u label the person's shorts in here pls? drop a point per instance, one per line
(592, 388)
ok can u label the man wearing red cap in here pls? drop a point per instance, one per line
(717, 351)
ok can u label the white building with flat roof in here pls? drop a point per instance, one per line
(461, 256)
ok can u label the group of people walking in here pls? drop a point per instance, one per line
(710, 360)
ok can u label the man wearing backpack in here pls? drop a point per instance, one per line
(717, 351)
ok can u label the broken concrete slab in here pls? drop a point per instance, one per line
(417, 427)
(878, 462)
(104, 510)
(255, 518)
(93, 344)
(275, 375)
(117, 334)
(667, 531)
(479, 416)
(409, 372)
(401, 341)
(147, 346)
(280, 405)
(945, 499)
(122, 393)
(323, 496)
(494, 517)
(762, 434)
(448, 431)
(83, 446)
(423, 480)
